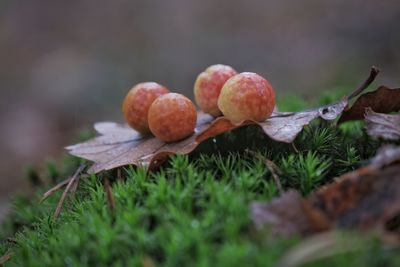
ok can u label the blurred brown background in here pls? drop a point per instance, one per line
(67, 64)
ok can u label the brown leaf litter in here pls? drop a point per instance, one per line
(382, 126)
(363, 199)
(119, 145)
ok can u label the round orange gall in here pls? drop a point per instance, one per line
(208, 86)
(247, 96)
(172, 117)
(137, 103)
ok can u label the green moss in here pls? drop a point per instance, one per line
(194, 211)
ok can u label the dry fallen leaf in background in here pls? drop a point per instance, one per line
(118, 145)
(361, 200)
(382, 125)
(383, 100)
(366, 198)
(285, 215)
(385, 156)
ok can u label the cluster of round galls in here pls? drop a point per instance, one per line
(150, 108)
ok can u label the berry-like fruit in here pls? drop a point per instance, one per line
(137, 103)
(208, 87)
(172, 117)
(247, 96)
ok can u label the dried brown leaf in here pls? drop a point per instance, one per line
(382, 100)
(118, 145)
(362, 199)
(281, 126)
(382, 125)
(286, 215)
(386, 155)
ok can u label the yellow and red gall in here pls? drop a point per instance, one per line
(137, 103)
(208, 86)
(172, 117)
(247, 96)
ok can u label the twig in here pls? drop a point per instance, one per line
(75, 185)
(71, 182)
(274, 170)
(54, 189)
(119, 174)
(59, 186)
(271, 166)
(372, 75)
(110, 196)
(62, 199)
(295, 148)
(6, 257)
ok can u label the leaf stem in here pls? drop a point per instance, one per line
(372, 75)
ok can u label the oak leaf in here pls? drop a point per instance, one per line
(118, 145)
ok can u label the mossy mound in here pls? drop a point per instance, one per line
(195, 210)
